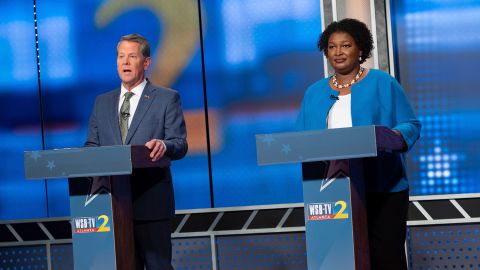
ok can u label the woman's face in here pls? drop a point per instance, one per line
(343, 53)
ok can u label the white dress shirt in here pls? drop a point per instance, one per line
(340, 115)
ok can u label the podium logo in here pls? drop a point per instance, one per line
(329, 210)
(91, 224)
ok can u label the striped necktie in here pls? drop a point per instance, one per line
(125, 115)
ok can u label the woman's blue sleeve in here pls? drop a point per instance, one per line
(406, 121)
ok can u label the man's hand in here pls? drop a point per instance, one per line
(157, 149)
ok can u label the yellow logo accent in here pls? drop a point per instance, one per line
(179, 41)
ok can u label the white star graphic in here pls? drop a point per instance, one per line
(98, 185)
(286, 148)
(268, 138)
(51, 164)
(336, 169)
(35, 155)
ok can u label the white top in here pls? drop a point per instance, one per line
(137, 93)
(340, 115)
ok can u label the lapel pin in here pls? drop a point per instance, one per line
(146, 96)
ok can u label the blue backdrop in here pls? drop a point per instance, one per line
(259, 58)
(437, 50)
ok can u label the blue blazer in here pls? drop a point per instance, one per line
(158, 116)
(378, 99)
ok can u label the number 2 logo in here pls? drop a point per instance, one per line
(103, 227)
(343, 206)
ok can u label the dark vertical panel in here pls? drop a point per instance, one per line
(191, 174)
(382, 35)
(205, 102)
(20, 126)
(56, 56)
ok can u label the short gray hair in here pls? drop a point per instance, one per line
(144, 45)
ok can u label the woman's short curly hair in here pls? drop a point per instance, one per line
(355, 28)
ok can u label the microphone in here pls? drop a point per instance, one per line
(125, 115)
(332, 97)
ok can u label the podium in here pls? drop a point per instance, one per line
(333, 190)
(100, 200)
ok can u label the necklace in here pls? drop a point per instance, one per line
(340, 86)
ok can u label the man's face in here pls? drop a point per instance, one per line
(131, 64)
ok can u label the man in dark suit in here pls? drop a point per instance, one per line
(141, 113)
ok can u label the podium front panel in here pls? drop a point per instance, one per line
(328, 224)
(92, 223)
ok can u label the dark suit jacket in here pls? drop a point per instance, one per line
(158, 116)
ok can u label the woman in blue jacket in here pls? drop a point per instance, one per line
(356, 96)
